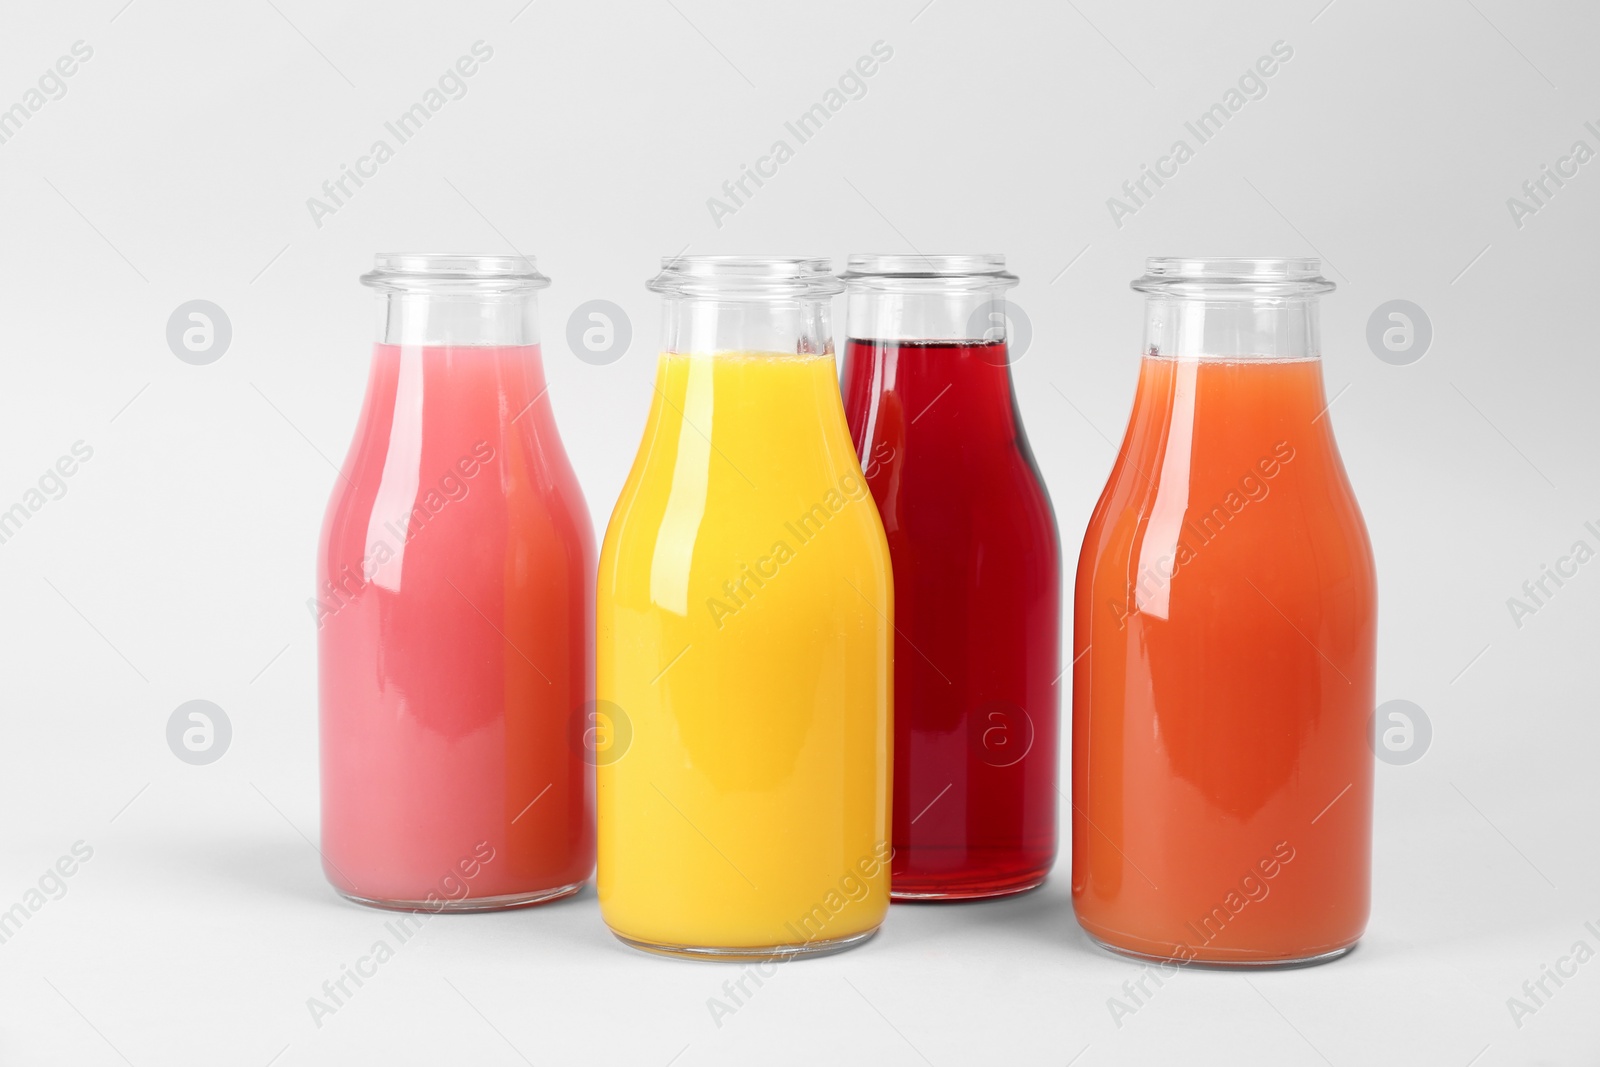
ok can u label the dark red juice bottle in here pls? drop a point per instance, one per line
(976, 558)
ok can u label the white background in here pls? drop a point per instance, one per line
(177, 565)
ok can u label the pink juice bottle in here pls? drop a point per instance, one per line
(455, 609)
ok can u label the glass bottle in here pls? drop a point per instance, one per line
(1225, 640)
(744, 644)
(455, 609)
(977, 563)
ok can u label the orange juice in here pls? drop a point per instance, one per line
(1225, 645)
(744, 644)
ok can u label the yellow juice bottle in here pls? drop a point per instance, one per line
(744, 637)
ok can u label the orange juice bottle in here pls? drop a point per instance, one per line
(744, 637)
(1225, 640)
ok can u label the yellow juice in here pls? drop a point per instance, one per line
(744, 660)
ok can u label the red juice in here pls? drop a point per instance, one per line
(976, 564)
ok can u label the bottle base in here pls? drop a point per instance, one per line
(955, 894)
(468, 904)
(1228, 962)
(776, 953)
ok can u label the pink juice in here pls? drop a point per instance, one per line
(456, 633)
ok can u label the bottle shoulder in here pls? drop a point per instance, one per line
(1298, 530)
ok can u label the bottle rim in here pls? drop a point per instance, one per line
(1228, 276)
(876, 270)
(453, 272)
(746, 277)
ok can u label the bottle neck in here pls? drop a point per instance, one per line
(706, 325)
(960, 313)
(1233, 328)
(410, 318)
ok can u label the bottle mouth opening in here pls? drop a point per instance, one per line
(917, 271)
(746, 277)
(1238, 277)
(453, 272)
